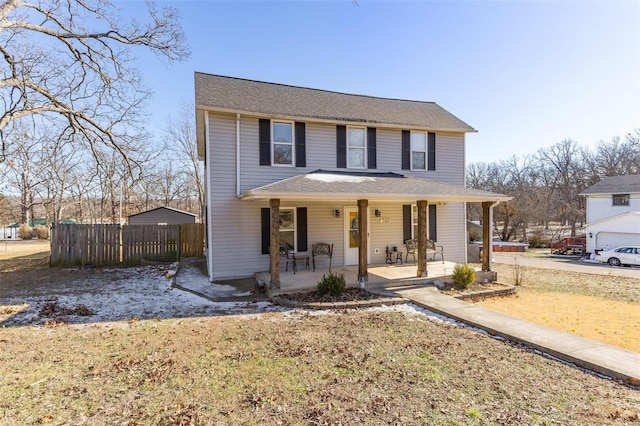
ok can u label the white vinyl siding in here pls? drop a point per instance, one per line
(235, 226)
(601, 206)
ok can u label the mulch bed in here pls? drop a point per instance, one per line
(350, 294)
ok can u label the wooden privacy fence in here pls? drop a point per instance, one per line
(109, 245)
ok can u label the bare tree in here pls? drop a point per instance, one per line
(25, 169)
(616, 158)
(62, 172)
(70, 60)
(562, 162)
(181, 134)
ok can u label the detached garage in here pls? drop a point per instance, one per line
(162, 216)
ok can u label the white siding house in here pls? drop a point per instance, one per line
(613, 212)
(316, 160)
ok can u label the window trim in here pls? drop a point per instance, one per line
(295, 226)
(363, 148)
(292, 144)
(624, 200)
(426, 150)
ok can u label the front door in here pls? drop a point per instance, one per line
(352, 236)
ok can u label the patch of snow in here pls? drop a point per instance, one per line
(128, 293)
(330, 178)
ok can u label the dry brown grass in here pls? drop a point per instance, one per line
(350, 367)
(22, 256)
(600, 307)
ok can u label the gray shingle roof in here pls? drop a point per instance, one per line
(331, 185)
(239, 95)
(626, 184)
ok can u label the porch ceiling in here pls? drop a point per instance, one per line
(343, 185)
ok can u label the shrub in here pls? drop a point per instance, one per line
(42, 232)
(538, 241)
(464, 275)
(333, 284)
(25, 232)
(519, 272)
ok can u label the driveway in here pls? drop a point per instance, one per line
(567, 263)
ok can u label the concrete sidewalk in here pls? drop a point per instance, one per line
(595, 356)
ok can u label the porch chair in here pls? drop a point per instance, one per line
(435, 250)
(432, 248)
(287, 256)
(321, 249)
(412, 246)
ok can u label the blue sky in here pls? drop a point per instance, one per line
(526, 75)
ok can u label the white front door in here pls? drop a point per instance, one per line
(352, 236)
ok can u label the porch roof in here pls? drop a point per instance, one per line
(344, 185)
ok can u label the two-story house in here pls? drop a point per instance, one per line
(299, 165)
(613, 212)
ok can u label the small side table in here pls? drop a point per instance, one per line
(301, 256)
(393, 256)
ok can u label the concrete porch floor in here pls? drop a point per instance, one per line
(379, 276)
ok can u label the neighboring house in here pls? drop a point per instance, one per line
(613, 212)
(358, 172)
(162, 216)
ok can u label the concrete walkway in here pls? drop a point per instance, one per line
(595, 356)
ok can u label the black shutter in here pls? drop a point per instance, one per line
(432, 151)
(432, 223)
(301, 149)
(264, 135)
(406, 150)
(301, 218)
(265, 228)
(371, 148)
(341, 147)
(406, 222)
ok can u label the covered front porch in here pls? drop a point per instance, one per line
(359, 190)
(380, 275)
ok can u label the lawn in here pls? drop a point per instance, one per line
(600, 307)
(149, 354)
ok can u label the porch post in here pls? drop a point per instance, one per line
(422, 238)
(364, 240)
(487, 244)
(274, 247)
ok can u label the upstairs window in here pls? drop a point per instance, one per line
(620, 199)
(418, 151)
(282, 137)
(356, 147)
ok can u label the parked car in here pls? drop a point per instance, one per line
(629, 255)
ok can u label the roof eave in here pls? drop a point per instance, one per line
(332, 196)
(315, 119)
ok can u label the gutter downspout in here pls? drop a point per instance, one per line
(238, 154)
(208, 197)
